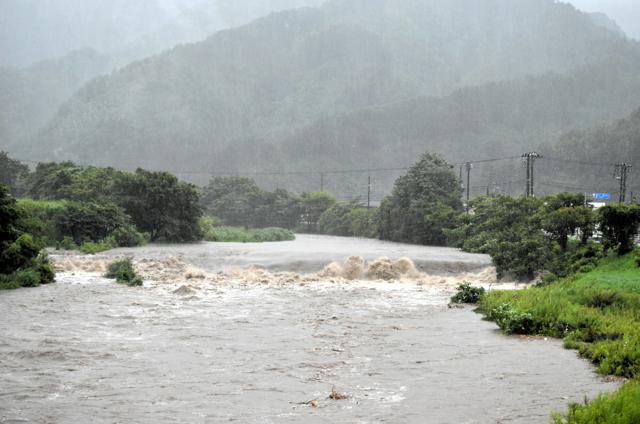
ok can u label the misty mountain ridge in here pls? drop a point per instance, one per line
(31, 95)
(126, 30)
(272, 77)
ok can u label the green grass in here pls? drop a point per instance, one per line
(622, 407)
(597, 313)
(241, 235)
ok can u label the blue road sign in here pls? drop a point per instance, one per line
(602, 196)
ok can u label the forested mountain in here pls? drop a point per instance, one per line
(30, 97)
(108, 35)
(281, 73)
(495, 120)
(589, 158)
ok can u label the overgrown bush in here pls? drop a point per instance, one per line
(513, 321)
(123, 272)
(468, 294)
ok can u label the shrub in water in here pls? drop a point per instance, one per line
(468, 294)
(123, 272)
(44, 268)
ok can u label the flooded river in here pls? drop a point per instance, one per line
(88, 350)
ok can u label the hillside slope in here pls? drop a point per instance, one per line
(30, 97)
(273, 77)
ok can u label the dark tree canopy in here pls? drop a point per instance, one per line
(161, 205)
(619, 226)
(11, 171)
(429, 192)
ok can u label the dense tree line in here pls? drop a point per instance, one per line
(526, 237)
(21, 263)
(69, 205)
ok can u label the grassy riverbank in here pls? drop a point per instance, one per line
(597, 313)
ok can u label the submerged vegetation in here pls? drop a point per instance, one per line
(123, 272)
(468, 294)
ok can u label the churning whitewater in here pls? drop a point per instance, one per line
(228, 333)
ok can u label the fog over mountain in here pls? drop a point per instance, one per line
(285, 71)
(346, 84)
(50, 48)
(626, 13)
(36, 30)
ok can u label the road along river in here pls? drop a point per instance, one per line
(210, 339)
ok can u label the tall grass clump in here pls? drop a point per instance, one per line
(622, 407)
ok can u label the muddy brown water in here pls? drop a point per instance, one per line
(88, 350)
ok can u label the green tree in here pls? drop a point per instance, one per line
(429, 190)
(91, 222)
(277, 209)
(21, 264)
(312, 206)
(364, 222)
(509, 229)
(12, 172)
(619, 226)
(161, 205)
(567, 221)
(232, 199)
(66, 180)
(334, 220)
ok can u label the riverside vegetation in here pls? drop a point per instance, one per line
(588, 291)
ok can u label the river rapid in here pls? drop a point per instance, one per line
(212, 339)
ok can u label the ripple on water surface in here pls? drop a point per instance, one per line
(86, 347)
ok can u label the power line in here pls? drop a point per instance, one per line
(578, 162)
(558, 184)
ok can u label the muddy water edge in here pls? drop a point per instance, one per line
(263, 345)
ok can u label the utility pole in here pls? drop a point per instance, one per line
(469, 167)
(369, 193)
(531, 161)
(322, 182)
(622, 171)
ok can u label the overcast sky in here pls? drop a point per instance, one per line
(625, 12)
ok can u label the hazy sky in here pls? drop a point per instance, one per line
(625, 12)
